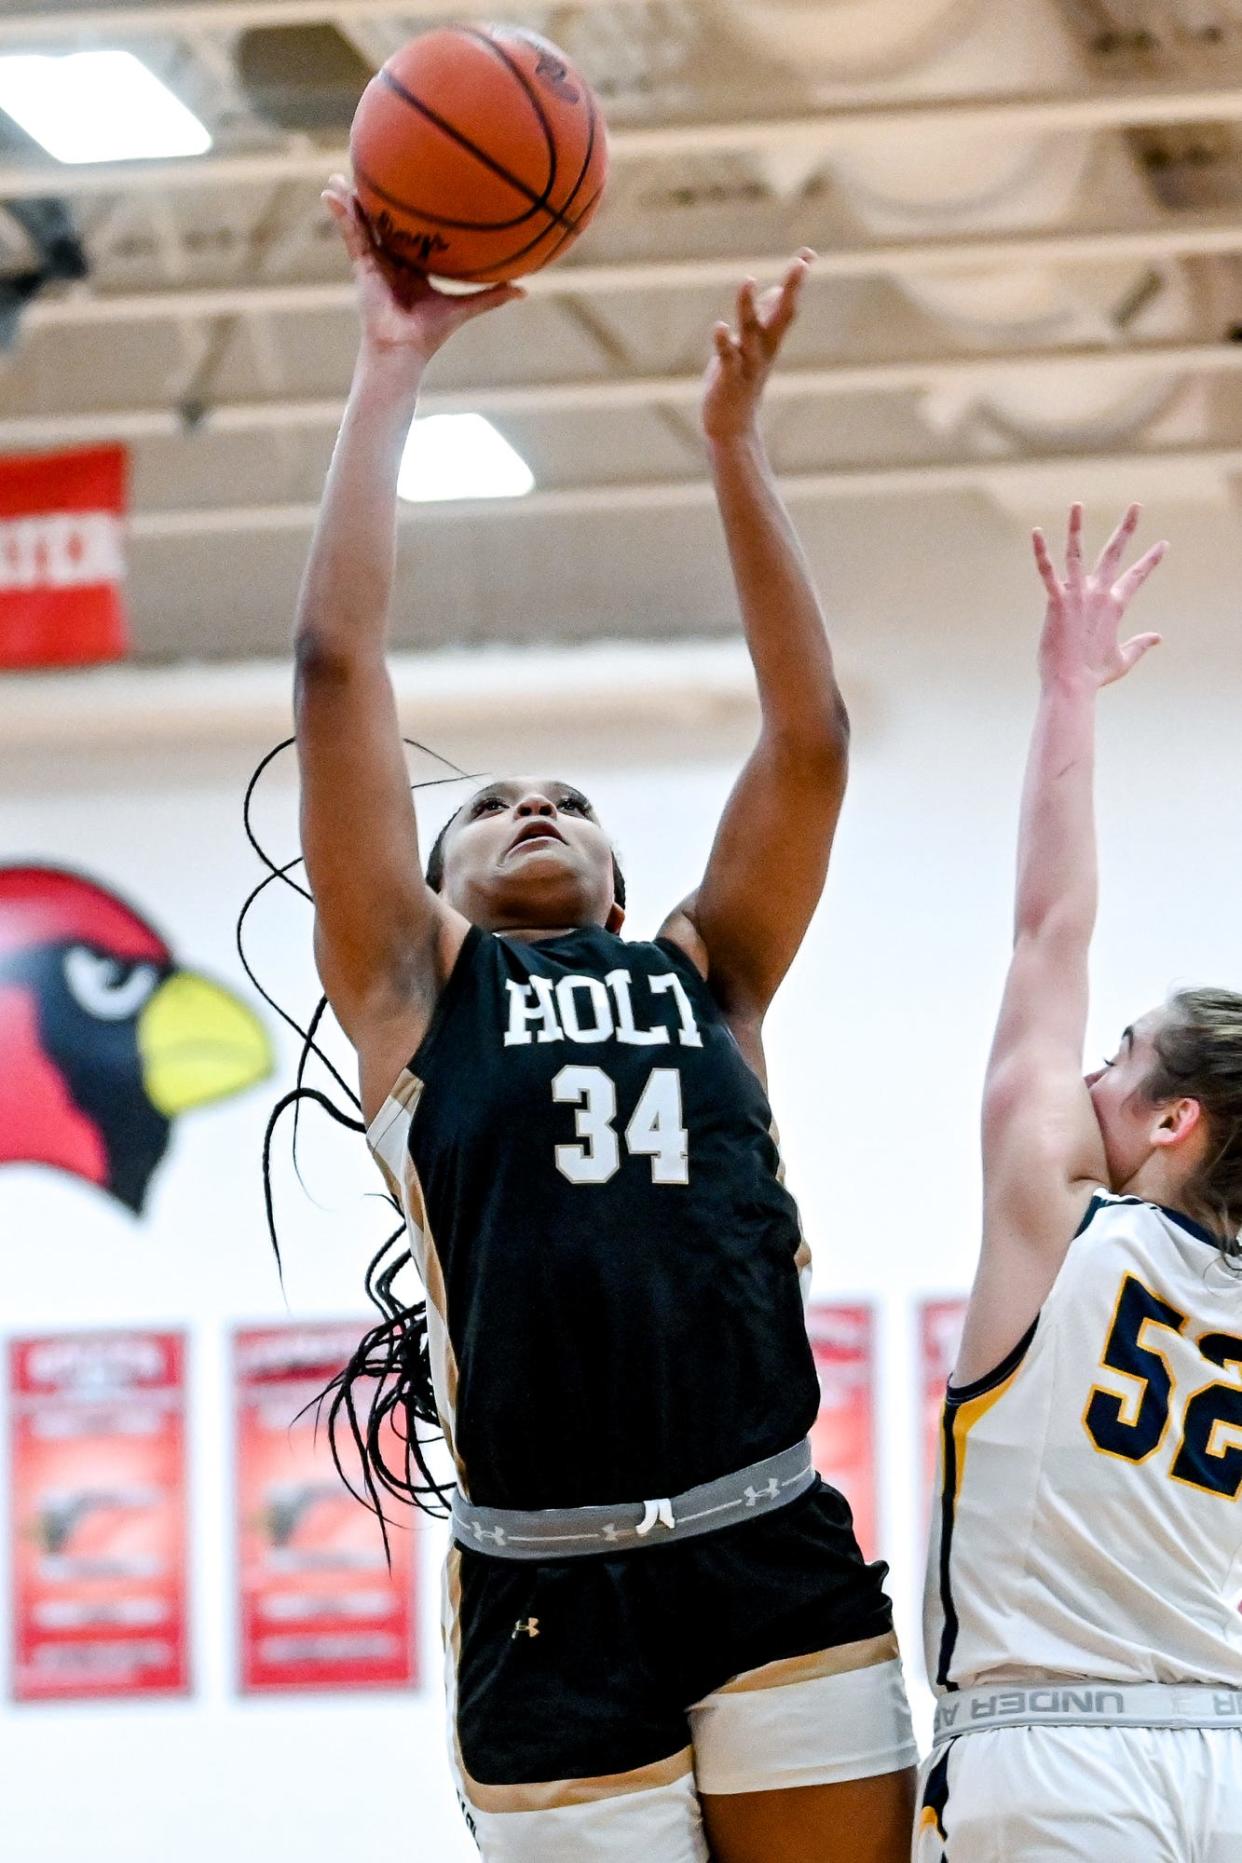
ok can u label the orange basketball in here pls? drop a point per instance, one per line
(479, 153)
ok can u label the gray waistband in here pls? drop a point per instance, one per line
(565, 1533)
(1088, 1704)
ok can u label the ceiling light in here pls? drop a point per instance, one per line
(97, 107)
(461, 456)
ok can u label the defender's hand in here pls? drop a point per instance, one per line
(738, 371)
(1081, 636)
(401, 310)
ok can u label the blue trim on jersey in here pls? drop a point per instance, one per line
(1108, 1199)
(948, 1492)
(1099, 1201)
(936, 1792)
(1188, 1223)
(955, 1397)
(979, 1387)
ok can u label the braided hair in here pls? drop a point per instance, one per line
(385, 1393)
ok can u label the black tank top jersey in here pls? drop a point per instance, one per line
(601, 1189)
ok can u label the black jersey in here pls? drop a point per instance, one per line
(595, 1201)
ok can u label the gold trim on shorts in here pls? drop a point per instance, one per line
(843, 1660)
(550, 1794)
(556, 1794)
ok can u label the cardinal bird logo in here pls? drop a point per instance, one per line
(104, 1038)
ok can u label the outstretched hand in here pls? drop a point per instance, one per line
(1083, 624)
(401, 310)
(743, 359)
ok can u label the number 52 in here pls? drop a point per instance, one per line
(1134, 1430)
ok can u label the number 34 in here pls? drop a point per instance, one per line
(656, 1131)
(1135, 1427)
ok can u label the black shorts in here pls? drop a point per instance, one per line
(573, 1674)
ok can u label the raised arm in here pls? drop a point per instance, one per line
(767, 867)
(1042, 1149)
(383, 941)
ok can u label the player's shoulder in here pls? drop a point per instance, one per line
(1129, 1234)
(1116, 1213)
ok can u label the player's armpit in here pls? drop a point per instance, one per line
(1043, 1160)
(680, 929)
(379, 929)
(1009, 1292)
(766, 870)
(747, 1029)
(1040, 1132)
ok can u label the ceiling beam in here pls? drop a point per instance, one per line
(1183, 236)
(1016, 114)
(35, 25)
(610, 393)
(682, 688)
(903, 478)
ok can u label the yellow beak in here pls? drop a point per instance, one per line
(198, 1043)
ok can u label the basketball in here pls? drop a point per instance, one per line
(479, 153)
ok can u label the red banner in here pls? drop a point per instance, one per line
(98, 1515)
(319, 1607)
(940, 1334)
(843, 1439)
(61, 560)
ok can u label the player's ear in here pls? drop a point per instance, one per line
(615, 919)
(1179, 1120)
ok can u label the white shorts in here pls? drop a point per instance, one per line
(808, 1721)
(1083, 1795)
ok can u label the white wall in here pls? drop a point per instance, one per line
(876, 1047)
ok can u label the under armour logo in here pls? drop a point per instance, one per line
(495, 1534)
(655, 1514)
(768, 1492)
(528, 1627)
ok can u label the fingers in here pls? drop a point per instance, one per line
(726, 345)
(750, 329)
(1113, 551)
(762, 323)
(342, 203)
(1132, 651)
(1043, 562)
(494, 298)
(1130, 584)
(785, 300)
(1073, 547)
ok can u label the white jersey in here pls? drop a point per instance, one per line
(1087, 1520)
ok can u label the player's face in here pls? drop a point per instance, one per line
(1127, 1117)
(530, 853)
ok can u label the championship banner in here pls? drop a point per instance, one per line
(319, 1608)
(61, 560)
(843, 1438)
(98, 1515)
(940, 1334)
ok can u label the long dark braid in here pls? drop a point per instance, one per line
(390, 1371)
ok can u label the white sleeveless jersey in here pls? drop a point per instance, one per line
(1087, 1521)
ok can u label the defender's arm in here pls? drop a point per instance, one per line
(1042, 1149)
